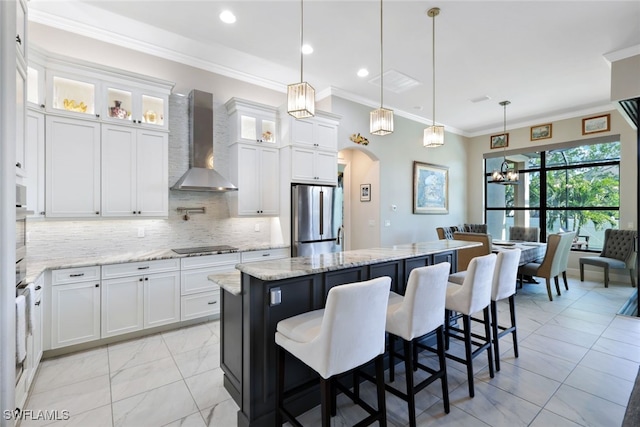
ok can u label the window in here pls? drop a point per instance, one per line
(569, 187)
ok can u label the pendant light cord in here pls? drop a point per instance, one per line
(301, 38)
(433, 57)
(381, 58)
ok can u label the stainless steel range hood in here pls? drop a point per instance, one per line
(201, 176)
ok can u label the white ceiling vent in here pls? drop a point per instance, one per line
(395, 81)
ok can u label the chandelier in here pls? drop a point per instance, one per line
(507, 174)
(381, 119)
(301, 97)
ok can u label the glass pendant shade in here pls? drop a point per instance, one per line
(381, 121)
(506, 175)
(301, 100)
(433, 136)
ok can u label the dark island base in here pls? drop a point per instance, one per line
(248, 325)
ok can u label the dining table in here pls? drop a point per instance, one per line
(529, 251)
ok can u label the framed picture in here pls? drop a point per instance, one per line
(365, 192)
(500, 141)
(541, 132)
(430, 189)
(596, 124)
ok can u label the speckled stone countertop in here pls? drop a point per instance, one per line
(302, 266)
(37, 267)
(229, 281)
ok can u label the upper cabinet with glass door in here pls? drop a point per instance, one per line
(135, 106)
(72, 94)
(251, 122)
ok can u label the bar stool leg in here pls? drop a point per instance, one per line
(408, 367)
(325, 401)
(392, 363)
(487, 333)
(447, 316)
(443, 367)
(495, 333)
(279, 384)
(382, 407)
(514, 333)
(467, 352)
(334, 396)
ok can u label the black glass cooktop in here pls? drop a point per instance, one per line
(204, 249)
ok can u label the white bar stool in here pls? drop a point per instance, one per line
(349, 332)
(474, 295)
(418, 313)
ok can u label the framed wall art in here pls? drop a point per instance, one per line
(596, 124)
(500, 141)
(365, 192)
(430, 188)
(541, 132)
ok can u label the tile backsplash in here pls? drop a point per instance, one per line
(49, 239)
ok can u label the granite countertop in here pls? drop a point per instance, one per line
(229, 281)
(302, 266)
(38, 266)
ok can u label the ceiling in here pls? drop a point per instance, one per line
(547, 58)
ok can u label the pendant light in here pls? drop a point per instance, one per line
(381, 119)
(507, 175)
(301, 97)
(433, 135)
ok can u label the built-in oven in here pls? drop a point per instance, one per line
(21, 234)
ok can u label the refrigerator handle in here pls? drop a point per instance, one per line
(340, 230)
(321, 212)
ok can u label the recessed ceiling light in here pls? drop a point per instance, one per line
(363, 72)
(227, 17)
(307, 49)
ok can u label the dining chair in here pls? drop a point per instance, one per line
(348, 333)
(475, 228)
(618, 252)
(472, 296)
(552, 263)
(467, 254)
(524, 234)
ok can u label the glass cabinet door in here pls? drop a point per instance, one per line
(258, 129)
(73, 96)
(119, 104)
(153, 110)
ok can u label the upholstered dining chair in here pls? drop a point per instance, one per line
(348, 333)
(419, 312)
(446, 233)
(524, 234)
(552, 263)
(475, 228)
(467, 254)
(618, 252)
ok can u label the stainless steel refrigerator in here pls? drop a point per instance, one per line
(316, 219)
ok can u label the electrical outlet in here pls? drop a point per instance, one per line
(387, 223)
(256, 227)
(140, 231)
(28, 236)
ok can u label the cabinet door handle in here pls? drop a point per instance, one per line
(38, 287)
(97, 212)
(98, 115)
(139, 212)
(97, 285)
(146, 278)
(76, 275)
(42, 106)
(143, 268)
(37, 302)
(212, 302)
(266, 254)
(19, 165)
(140, 279)
(18, 39)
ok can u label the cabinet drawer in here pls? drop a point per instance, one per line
(194, 281)
(200, 305)
(265, 255)
(75, 275)
(142, 267)
(230, 259)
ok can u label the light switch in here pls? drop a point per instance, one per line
(140, 231)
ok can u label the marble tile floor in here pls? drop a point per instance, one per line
(578, 361)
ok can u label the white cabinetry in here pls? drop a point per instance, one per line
(126, 104)
(139, 295)
(35, 159)
(72, 167)
(134, 172)
(255, 171)
(251, 122)
(264, 255)
(75, 306)
(201, 297)
(254, 160)
(312, 146)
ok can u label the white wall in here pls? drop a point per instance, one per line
(397, 152)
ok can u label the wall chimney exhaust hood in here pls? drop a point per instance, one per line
(201, 176)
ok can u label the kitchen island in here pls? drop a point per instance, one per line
(263, 293)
